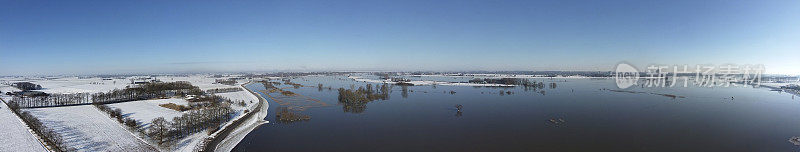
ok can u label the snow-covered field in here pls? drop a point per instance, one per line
(204, 82)
(92, 85)
(76, 85)
(4, 89)
(15, 136)
(87, 129)
(237, 96)
(146, 110)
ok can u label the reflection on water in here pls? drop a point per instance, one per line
(289, 104)
(553, 117)
(404, 89)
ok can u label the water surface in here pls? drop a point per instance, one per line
(424, 118)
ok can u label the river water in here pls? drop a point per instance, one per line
(575, 115)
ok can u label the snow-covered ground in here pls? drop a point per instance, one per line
(188, 144)
(76, 85)
(15, 136)
(87, 129)
(146, 110)
(96, 84)
(237, 96)
(6, 88)
(204, 82)
(247, 126)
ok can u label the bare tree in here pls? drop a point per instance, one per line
(158, 129)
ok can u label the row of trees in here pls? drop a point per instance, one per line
(513, 81)
(224, 90)
(116, 113)
(209, 118)
(52, 100)
(226, 81)
(147, 91)
(508, 81)
(49, 137)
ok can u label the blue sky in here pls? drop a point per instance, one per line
(106, 37)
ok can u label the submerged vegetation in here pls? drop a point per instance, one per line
(355, 101)
(285, 114)
(174, 106)
(660, 94)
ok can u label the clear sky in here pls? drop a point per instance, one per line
(107, 37)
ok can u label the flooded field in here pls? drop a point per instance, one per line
(309, 114)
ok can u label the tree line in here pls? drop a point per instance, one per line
(51, 100)
(143, 92)
(48, 135)
(209, 118)
(224, 90)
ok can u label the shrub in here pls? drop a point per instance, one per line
(131, 122)
(174, 107)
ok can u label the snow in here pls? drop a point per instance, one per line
(239, 96)
(246, 127)
(15, 135)
(77, 85)
(87, 129)
(204, 82)
(190, 142)
(92, 85)
(146, 110)
(6, 88)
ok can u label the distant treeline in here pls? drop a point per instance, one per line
(25, 86)
(506, 81)
(542, 73)
(226, 81)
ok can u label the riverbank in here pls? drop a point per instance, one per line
(778, 87)
(230, 135)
